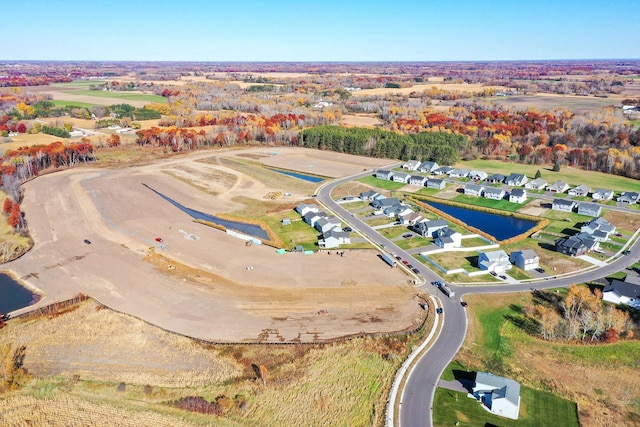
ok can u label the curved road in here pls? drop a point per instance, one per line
(419, 389)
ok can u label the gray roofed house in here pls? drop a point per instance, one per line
(536, 184)
(428, 167)
(448, 238)
(384, 174)
(458, 173)
(312, 217)
(622, 292)
(526, 259)
(494, 193)
(333, 239)
(369, 195)
(497, 261)
(396, 210)
(411, 165)
(329, 223)
(516, 179)
(590, 209)
(563, 205)
(385, 203)
(598, 224)
(558, 187)
(429, 228)
(629, 197)
(436, 183)
(600, 194)
(580, 190)
(576, 245)
(476, 174)
(499, 394)
(303, 208)
(442, 170)
(518, 195)
(401, 177)
(410, 218)
(473, 190)
(496, 178)
(418, 180)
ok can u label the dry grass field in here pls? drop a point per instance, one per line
(550, 102)
(360, 120)
(451, 87)
(95, 367)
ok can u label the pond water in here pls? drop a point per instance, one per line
(298, 175)
(501, 227)
(250, 229)
(13, 295)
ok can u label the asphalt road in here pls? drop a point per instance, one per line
(418, 392)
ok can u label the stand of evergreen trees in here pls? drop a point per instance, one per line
(441, 147)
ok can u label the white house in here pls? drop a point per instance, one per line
(369, 195)
(590, 209)
(428, 167)
(448, 238)
(303, 208)
(496, 178)
(526, 259)
(497, 261)
(418, 180)
(536, 184)
(429, 228)
(401, 177)
(410, 218)
(384, 174)
(563, 205)
(476, 174)
(580, 190)
(620, 292)
(411, 165)
(494, 193)
(333, 239)
(312, 217)
(518, 195)
(442, 170)
(499, 394)
(558, 187)
(516, 179)
(329, 223)
(600, 194)
(473, 190)
(436, 183)
(598, 224)
(385, 203)
(629, 197)
(458, 173)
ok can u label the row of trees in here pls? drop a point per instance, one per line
(579, 316)
(441, 147)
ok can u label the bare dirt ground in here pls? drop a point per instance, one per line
(360, 120)
(210, 294)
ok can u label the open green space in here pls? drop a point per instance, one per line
(537, 408)
(473, 242)
(455, 260)
(572, 176)
(503, 205)
(413, 242)
(59, 103)
(119, 95)
(393, 232)
(427, 191)
(299, 233)
(381, 183)
(552, 102)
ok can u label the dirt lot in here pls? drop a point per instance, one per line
(208, 292)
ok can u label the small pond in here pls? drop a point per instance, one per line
(13, 295)
(501, 227)
(299, 175)
(250, 229)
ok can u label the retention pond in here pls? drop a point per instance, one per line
(13, 295)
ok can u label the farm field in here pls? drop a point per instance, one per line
(552, 101)
(453, 87)
(600, 378)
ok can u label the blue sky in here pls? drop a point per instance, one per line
(331, 30)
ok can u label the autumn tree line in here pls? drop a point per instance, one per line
(580, 316)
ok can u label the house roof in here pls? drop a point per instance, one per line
(495, 255)
(508, 388)
(368, 194)
(412, 163)
(494, 191)
(527, 254)
(589, 207)
(496, 177)
(603, 193)
(538, 182)
(630, 195)
(558, 186)
(622, 288)
(428, 165)
(435, 223)
(516, 177)
(563, 202)
(447, 232)
(474, 187)
(518, 192)
(582, 188)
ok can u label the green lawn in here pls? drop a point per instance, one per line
(381, 183)
(427, 191)
(63, 104)
(393, 232)
(473, 242)
(414, 242)
(572, 176)
(119, 95)
(503, 205)
(298, 233)
(537, 408)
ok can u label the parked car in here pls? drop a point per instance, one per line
(87, 241)
(540, 270)
(493, 273)
(348, 229)
(405, 262)
(503, 277)
(406, 236)
(439, 310)
(410, 266)
(436, 283)
(415, 270)
(627, 252)
(398, 257)
(463, 303)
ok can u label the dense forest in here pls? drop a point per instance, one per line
(441, 147)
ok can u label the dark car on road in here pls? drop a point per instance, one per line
(406, 236)
(463, 303)
(439, 310)
(87, 241)
(405, 262)
(415, 270)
